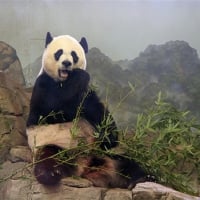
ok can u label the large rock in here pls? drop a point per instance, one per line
(10, 64)
(14, 104)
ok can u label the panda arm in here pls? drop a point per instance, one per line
(36, 102)
(99, 116)
(34, 113)
(77, 84)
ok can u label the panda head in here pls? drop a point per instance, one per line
(63, 54)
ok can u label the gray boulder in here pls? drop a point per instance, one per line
(10, 63)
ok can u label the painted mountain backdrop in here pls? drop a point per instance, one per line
(172, 68)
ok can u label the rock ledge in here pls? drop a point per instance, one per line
(19, 184)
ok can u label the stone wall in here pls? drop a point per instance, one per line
(14, 104)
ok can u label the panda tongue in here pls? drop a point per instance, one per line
(63, 73)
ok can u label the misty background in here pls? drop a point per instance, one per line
(119, 28)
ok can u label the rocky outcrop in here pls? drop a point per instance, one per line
(10, 64)
(18, 183)
(14, 103)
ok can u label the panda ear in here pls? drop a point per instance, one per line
(49, 38)
(84, 44)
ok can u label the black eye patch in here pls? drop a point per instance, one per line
(74, 56)
(58, 54)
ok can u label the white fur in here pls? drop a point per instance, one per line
(64, 135)
(67, 44)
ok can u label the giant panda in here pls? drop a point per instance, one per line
(61, 95)
(62, 87)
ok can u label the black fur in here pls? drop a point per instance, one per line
(65, 98)
(48, 171)
(49, 38)
(114, 172)
(129, 171)
(84, 44)
(58, 54)
(74, 56)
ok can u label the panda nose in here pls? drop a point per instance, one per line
(66, 63)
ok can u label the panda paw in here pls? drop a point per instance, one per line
(47, 173)
(47, 170)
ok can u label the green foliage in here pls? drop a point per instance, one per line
(166, 143)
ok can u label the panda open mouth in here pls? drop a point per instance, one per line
(63, 73)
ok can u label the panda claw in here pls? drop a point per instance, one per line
(58, 172)
(52, 174)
